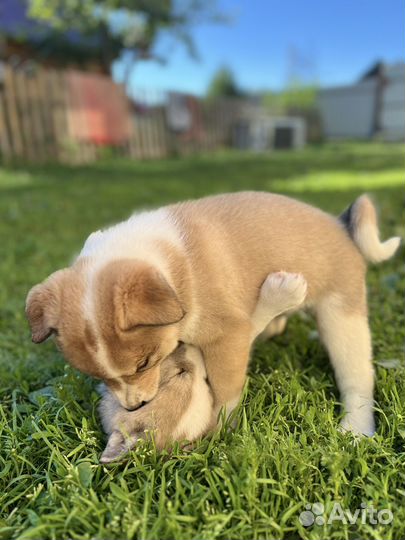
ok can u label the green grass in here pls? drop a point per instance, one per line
(249, 483)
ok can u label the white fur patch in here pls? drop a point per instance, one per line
(198, 414)
(368, 242)
(347, 338)
(231, 405)
(135, 238)
(280, 292)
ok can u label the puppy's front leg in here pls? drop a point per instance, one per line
(227, 360)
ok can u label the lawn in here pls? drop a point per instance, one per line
(252, 482)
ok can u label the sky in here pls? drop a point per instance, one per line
(267, 43)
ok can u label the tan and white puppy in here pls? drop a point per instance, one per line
(183, 406)
(181, 410)
(191, 272)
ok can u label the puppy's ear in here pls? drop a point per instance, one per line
(42, 307)
(142, 296)
(117, 446)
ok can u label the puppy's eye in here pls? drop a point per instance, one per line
(144, 364)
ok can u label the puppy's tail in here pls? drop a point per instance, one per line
(360, 220)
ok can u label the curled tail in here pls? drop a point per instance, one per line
(360, 220)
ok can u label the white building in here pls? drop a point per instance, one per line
(373, 107)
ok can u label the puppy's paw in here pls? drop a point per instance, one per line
(284, 290)
(358, 424)
(118, 446)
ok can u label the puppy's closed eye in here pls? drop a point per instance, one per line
(143, 364)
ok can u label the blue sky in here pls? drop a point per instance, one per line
(268, 41)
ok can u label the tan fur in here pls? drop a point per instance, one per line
(159, 418)
(214, 259)
(43, 306)
(183, 406)
(275, 328)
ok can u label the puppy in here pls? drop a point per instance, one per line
(182, 409)
(191, 272)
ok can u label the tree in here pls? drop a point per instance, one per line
(223, 84)
(133, 26)
(291, 98)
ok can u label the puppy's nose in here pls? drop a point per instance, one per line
(136, 407)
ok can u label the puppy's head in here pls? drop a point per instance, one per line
(115, 322)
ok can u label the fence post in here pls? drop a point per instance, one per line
(58, 99)
(37, 136)
(12, 110)
(5, 144)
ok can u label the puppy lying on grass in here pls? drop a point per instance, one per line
(183, 407)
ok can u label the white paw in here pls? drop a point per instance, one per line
(284, 289)
(358, 424)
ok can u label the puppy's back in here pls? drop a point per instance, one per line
(236, 239)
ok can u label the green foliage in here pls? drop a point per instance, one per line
(251, 482)
(132, 25)
(294, 97)
(224, 84)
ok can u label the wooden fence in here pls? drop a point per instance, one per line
(43, 118)
(37, 118)
(32, 119)
(153, 136)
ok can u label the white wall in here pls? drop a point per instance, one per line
(348, 111)
(393, 103)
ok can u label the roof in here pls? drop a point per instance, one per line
(382, 69)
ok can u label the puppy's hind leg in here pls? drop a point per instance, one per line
(274, 328)
(346, 336)
(280, 292)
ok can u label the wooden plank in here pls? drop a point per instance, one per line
(63, 128)
(59, 113)
(52, 97)
(5, 143)
(37, 131)
(150, 134)
(133, 141)
(162, 133)
(25, 115)
(148, 145)
(12, 112)
(157, 126)
(141, 136)
(136, 138)
(154, 147)
(45, 113)
(42, 118)
(146, 135)
(125, 146)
